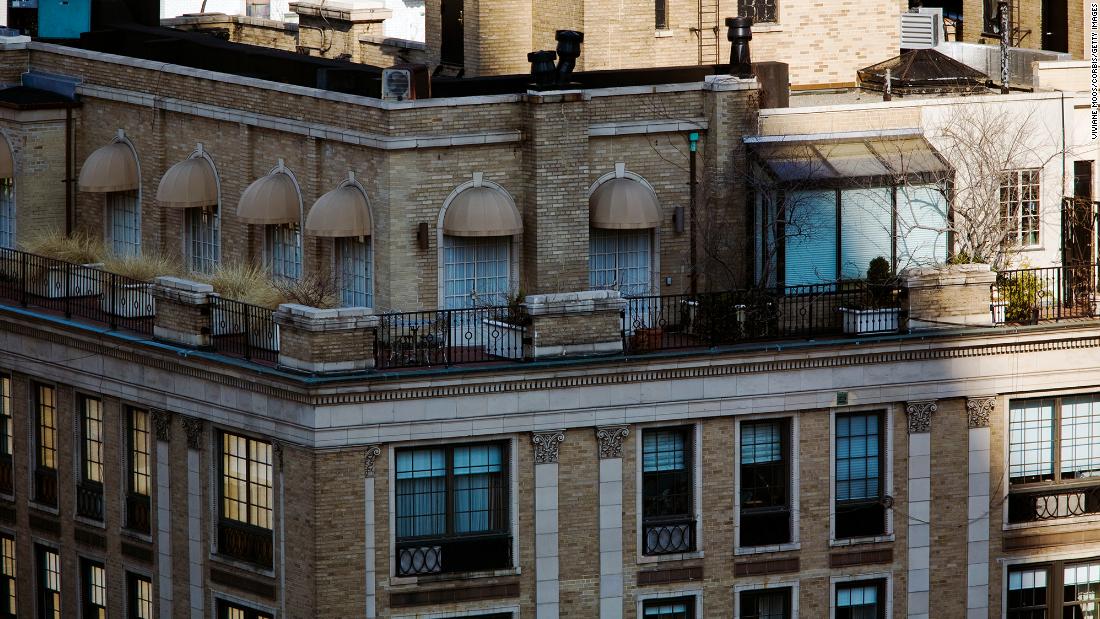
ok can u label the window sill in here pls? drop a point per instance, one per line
(760, 550)
(136, 535)
(243, 566)
(663, 34)
(89, 522)
(857, 541)
(457, 576)
(681, 556)
(46, 509)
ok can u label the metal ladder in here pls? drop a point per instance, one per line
(708, 31)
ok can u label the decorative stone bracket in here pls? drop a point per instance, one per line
(919, 414)
(949, 296)
(326, 340)
(547, 446)
(610, 439)
(575, 323)
(978, 411)
(183, 311)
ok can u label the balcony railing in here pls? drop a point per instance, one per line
(1030, 296)
(449, 337)
(668, 536)
(473, 553)
(245, 542)
(1053, 503)
(7, 476)
(74, 290)
(244, 330)
(137, 513)
(717, 318)
(89, 500)
(45, 486)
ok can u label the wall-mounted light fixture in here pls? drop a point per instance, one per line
(678, 219)
(422, 235)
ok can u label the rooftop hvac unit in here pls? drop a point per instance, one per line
(923, 29)
(403, 82)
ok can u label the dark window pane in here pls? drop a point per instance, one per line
(669, 608)
(859, 486)
(864, 599)
(765, 483)
(766, 604)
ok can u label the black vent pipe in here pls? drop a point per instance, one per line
(739, 34)
(569, 49)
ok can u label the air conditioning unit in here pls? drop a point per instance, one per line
(923, 29)
(403, 82)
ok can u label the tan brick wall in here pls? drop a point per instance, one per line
(566, 329)
(39, 152)
(950, 461)
(339, 542)
(578, 524)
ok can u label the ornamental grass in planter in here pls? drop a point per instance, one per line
(72, 269)
(131, 295)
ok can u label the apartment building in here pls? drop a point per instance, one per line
(646, 432)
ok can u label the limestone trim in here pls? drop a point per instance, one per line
(162, 423)
(978, 411)
(919, 415)
(547, 446)
(193, 426)
(610, 439)
(370, 457)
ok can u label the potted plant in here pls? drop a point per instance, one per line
(72, 269)
(1021, 296)
(879, 310)
(130, 295)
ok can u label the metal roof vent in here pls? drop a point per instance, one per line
(922, 28)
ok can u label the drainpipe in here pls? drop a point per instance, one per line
(68, 171)
(693, 140)
(1002, 6)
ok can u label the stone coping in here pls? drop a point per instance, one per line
(315, 319)
(574, 302)
(384, 41)
(948, 275)
(344, 10)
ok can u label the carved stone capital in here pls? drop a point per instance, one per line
(369, 458)
(611, 440)
(162, 424)
(547, 445)
(277, 451)
(194, 429)
(978, 411)
(920, 415)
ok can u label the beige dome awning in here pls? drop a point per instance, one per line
(624, 204)
(273, 199)
(482, 211)
(342, 212)
(188, 184)
(7, 161)
(109, 168)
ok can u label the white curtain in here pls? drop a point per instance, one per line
(620, 259)
(203, 231)
(355, 271)
(475, 271)
(477, 473)
(761, 443)
(284, 250)
(124, 220)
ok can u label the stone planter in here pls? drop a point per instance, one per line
(59, 282)
(864, 321)
(129, 300)
(502, 339)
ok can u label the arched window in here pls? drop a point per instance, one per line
(192, 184)
(7, 196)
(479, 220)
(623, 212)
(113, 171)
(344, 214)
(275, 202)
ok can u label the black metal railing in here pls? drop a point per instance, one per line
(245, 542)
(668, 537)
(244, 330)
(449, 337)
(1029, 296)
(45, 486)
(89, 500)
(1053, 503)
(472, 553)
(138, 512)
(76, 290)
(7, 475)
(715, 318)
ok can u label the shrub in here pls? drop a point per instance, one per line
(880, 288)
(310, 290)
(1023, 292)
(144, 267)
(79, 247)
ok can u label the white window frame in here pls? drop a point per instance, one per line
(616, 235)
(339, 246)
(697, 492)
(841, 580)
(795, 481)
(7, 213)
(767, 584)
(887, 480)
(642, 598)
(204, 234)
(513, 500)
(108, 215)
(1017, 230)
(474, 612)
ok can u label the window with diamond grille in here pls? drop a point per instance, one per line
(246, 480)
(284, 250)
(355, 271)
(761, 11)
(94, 591)
(765, 482)
(668, 490)
(49, 582)
(1020, 206)
(7, 213)
(859, 475)
(203, 238)
(139, 596)
(8, 607)
(124, 221)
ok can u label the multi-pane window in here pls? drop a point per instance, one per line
(355, 271)
(774, 603)
(89, 495)
(7, 475)
(45, 474)
(124, 222)
(859, 475)
(660, 14)
(1054, 457)
(284, 250)
(761, 11)
(203, 230)
(246, 480)
(8, 608)
(229, 610)
(475, 271)
(139, 473)
(620, 259)
(93, 589)
(452, 511)
(7, 213)
(1020, 206)
(1068, 589)
(862, 599)
(139, 596)
(765, 482)
(668, 512)
(49, 582)
(669, 608)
